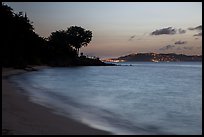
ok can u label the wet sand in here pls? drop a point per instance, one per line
(22, 117)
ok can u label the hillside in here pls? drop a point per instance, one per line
(154, 57)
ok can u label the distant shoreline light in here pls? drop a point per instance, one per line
(154, 57)
(114, 60)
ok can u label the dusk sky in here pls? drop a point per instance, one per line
(121, 28)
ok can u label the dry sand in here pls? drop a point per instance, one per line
(22, 117)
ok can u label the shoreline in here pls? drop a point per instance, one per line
(22, 117)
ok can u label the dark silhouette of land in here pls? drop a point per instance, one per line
(154, 57)
(22, 47)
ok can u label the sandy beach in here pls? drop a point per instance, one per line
(22, 117)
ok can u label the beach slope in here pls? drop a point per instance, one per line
(22, 117)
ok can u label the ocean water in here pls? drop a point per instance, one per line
(134, 98)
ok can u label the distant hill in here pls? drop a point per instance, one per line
(154, 57)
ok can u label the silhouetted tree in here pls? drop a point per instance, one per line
(20, 44)
(61, 51)
(78, 37)
(62, 42)
(58, 39)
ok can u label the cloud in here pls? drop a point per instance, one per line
(180, 42)
(196, 28)
(199, 29)
(167, 31)
(199, 34)
(173, 47)
(181, 31)
(132, 37)
(184, 48)
(168, 47)
(139, 37)
(179, 48)
(187, 48)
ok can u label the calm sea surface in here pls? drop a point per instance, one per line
(141, 98)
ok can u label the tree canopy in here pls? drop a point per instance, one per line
(78, 37)
(22, 46)
(74, 37)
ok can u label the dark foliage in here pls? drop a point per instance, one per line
(60, 51)
(78, 37)
(21, 46)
